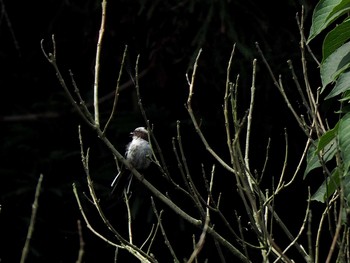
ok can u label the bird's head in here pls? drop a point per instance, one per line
(140, 132)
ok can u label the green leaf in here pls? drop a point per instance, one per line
(336, 38)
(312, 158)
(344, 140)
(327, 188)
(342, 85)
(327, 138)
(325, 12)
(335, 64)
(346, 187)
(345, 97)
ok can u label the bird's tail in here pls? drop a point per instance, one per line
(125, 184)
(116, 181)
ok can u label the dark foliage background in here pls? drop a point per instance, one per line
(39, 130)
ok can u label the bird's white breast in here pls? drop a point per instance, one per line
(138, 153)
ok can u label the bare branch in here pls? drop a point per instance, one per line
(202, 237)
(116, 95)
(81, 243)
(52, 59)
(35, 205)
(97, 62)
(126, 200)
(194, 121)
(166, 240)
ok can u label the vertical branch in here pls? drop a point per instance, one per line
(190, 94)
(227, 94)
(337, 231)
(284, 167)
(249, 121)
(116, 94)
(81, 244)
(309, 237)
(126, 198)
(320, 129)
(32, 220)
(249, 124)
(97, 62)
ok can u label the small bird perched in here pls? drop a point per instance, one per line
(138, 154)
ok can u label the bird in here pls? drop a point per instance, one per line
(138, 154)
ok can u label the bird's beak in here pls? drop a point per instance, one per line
(131, 134)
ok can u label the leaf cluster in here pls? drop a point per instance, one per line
(332, 15)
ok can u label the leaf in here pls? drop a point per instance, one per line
(325, 12)
(312, 158)
(335, 64)
(336, 38)
(344, 140)
(345, 96)
(327, 138)
(342, 85)
(327, 188)
(346, 186)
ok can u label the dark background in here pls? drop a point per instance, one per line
(39, 131)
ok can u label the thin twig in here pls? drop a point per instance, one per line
(192, 188)
(301, 30)
(280, 184)
(75, 191)
(194, 121)
(319, 230)
(300, 231)
(303, 156)
(226, 99)
(166, 240)
(297, 84)
(81, 243)
(265, 161)
(153, 237)
(313, 104)
(32, 220)
(249, 124)
(249, 120)
(126, 200)
(309, 237)
(9, 25)
(240, 228)
(116, 95)
(162, 164)
(180, 166)
(52, 59)
(148, 238)
(97, 62)
(201, 241)
(279, 86)
(82, 104)
(337, 231)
